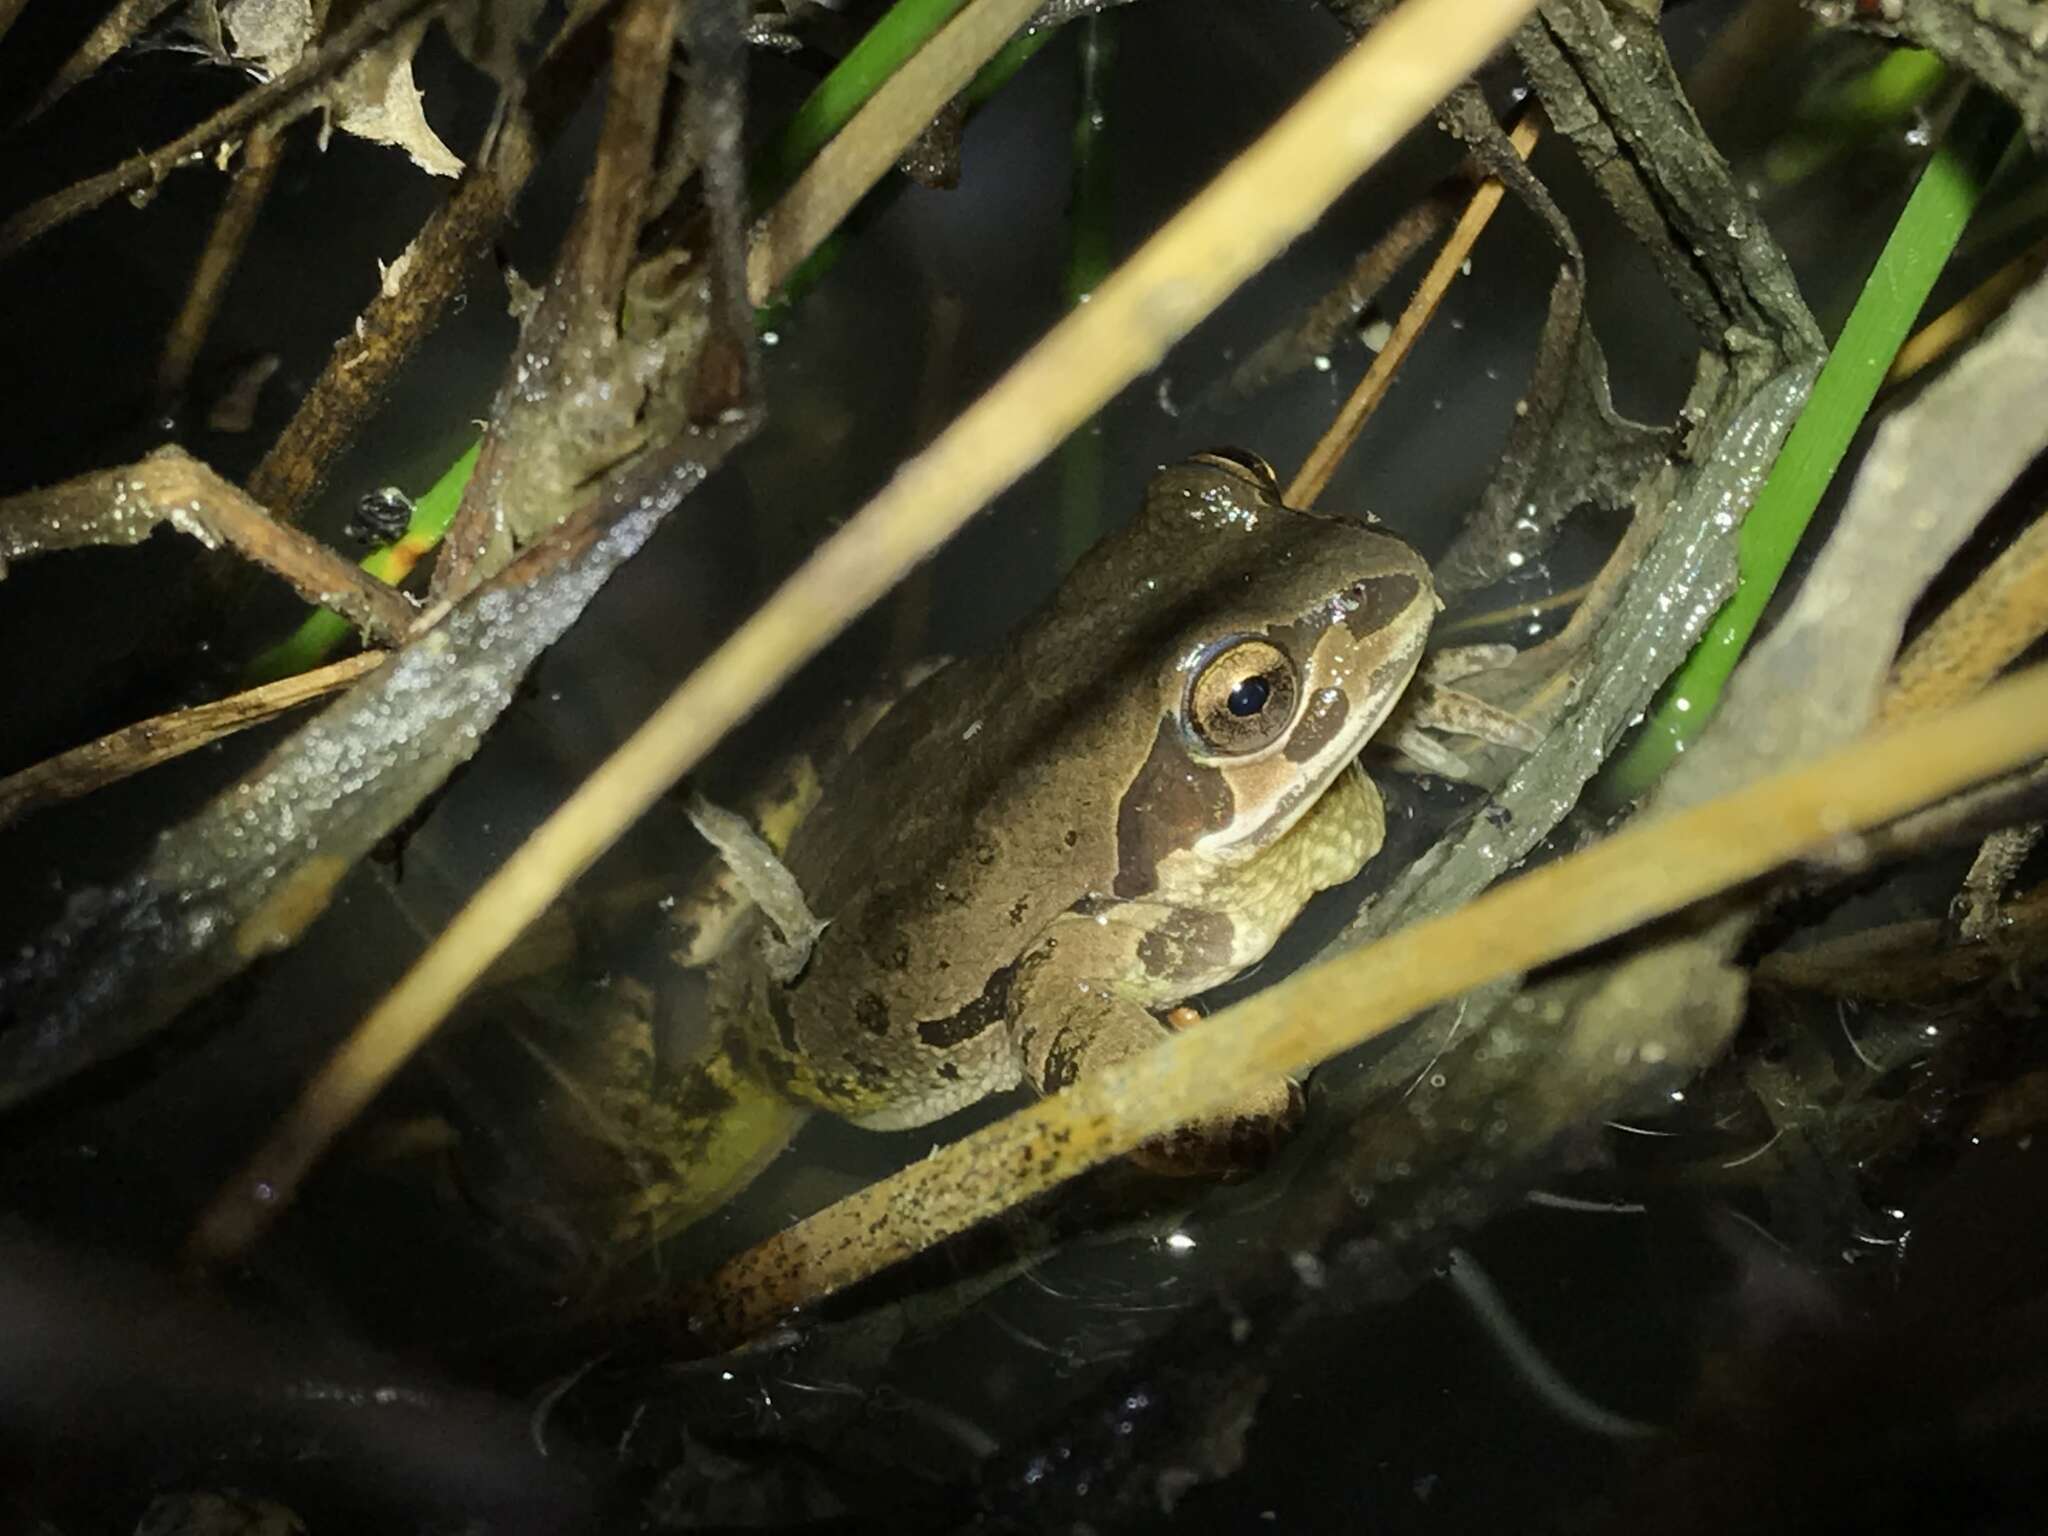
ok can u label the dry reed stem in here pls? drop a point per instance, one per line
(1330, 448)
(128, 751)
(1963, 320)
(1977, 636)
(1265, 198)
(248, 189)
(1649, 870)
(854, 160)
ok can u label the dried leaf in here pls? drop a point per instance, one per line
(268, 36)
(377, 100)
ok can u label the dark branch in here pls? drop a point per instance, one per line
(273, 105)
(125, 505)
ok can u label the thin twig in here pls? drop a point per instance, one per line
(247, 192)
(128, 751)
(728, 363)
(1264, 199)
(1330, 448)
(1652, 868)
(1509, 613)
(274, 103)
(1317, 333)
(116, 30)
(125, 505)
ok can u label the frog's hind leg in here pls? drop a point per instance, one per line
(638, 1143)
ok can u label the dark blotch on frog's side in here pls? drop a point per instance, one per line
(1172, 801)
(1062, 1060)
(1187, 944)
(990, 1008)
(871, 1013)
(873, 1076)
(694, 1096)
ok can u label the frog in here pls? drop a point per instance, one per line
(1037, 855)
(1022, 868)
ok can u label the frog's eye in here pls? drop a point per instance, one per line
(1245, 465)
(1243, 697)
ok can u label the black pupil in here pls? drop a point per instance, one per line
(1249, 696)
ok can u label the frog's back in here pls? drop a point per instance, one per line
(933, 893)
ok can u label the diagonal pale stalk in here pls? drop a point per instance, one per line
(1336, 441)
(1652, 868)
(1265, 198)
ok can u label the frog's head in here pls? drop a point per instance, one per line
(1279, 642)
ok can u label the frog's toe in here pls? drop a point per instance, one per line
(1237, 1141)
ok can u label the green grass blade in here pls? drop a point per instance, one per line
(1892, 298)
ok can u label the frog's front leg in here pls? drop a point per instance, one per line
(1432, 709)
(1067, 1025)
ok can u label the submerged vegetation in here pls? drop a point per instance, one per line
(1714, 907)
